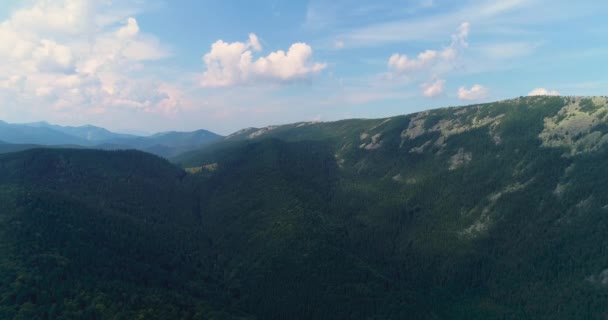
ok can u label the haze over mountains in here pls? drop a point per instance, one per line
(165, 144)
(492, 211)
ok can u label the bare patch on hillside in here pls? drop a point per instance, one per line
(374, 144)
(574, 126)
(415, 128)
(260, 132)
(478, 227)
(484, 220)
(451, 126)
(460, 159)
(241, 132)
(310, 123)
(380, 124)
(560, 189)
(339, 160)
(420, 149)
(208, 168)
(600, 278)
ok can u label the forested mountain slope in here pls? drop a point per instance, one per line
(494, 211)
(100, 235)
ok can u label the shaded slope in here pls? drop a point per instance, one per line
(267, 208)
(91, 234)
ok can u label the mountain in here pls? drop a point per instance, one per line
(88, 133)
(492, 211)
(168, 144)
(25, 134)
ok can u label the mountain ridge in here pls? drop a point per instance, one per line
(491, 211)
(167, 144)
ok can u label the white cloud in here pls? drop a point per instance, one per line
(543, 92)
(77, 56)
(254, 42)
(402, 64)
(51, 56)
(232, 64)
(130, 30)
(433, 89)
(477, 92)
(51, 17)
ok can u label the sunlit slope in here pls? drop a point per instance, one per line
(486, 211)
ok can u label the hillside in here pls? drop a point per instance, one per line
(97, 235)
(491, 211)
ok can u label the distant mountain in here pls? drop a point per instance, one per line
(25, 134)
(89, 133)
(168, 144)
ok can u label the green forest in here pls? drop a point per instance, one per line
(493, 211)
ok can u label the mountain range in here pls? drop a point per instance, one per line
(166, 144)
(488, 211)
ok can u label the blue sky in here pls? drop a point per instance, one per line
(159, 65)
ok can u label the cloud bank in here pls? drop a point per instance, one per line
(78, 57)
(233, 64)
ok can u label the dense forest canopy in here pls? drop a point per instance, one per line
(493, 211)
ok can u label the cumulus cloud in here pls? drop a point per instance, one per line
(233, 64)
(402, 64)
(543, 92)
(433, 89)
(77, 56)
(51, 56)
(477, 92)
(52, 17)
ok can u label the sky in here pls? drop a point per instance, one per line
(223, 65)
